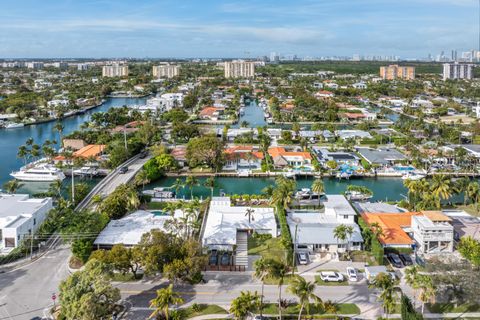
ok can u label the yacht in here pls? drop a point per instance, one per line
(43, 173)
(13, 125)
(86, 171)
(160, 192)
(307, 194)
(244, 173)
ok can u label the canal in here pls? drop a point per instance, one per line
(253, 115)
(11, 139)
(384, 189)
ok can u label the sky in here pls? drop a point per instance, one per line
(246, 29)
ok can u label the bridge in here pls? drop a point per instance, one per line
(115, 178)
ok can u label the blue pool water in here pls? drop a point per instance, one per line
(403, 168)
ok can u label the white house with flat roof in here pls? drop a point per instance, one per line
(20, 217)
(225, 221)
(313, 231)
(129, 229)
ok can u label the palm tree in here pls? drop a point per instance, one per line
(246, 303)
(427, 290)
(377, 230)
(35, 152)
(384, 282)
(23, 152)
(56, 188)
(278, 270)
(29, 141)
(177, 185)
(262, 267)
(340, 233)
(441, 187)
(412, 279)
(282, 195)
(304, 290)
(164, 299)
(59, 128)
(12, 186)
(349, 232)
(330, 307)
(318, 187)
(142, 179)
(461, 185)
(473, 191)
(249, 212)
(190, 182)
(210, 183)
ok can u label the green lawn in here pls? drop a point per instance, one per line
(203, 309)
(267, 248)
(343, 308)
(449, 307)
(274, 281)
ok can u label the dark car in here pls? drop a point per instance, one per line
(123, 170)
(225, 260)
(395, 260)
(406, 259)
(143, 154)
(213, 260)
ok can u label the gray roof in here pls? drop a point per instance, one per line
(376, 207)
(381, 156)
(339, 204)
(321, 233)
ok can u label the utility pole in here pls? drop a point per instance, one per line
(73, 185)
(31, 245)
(125, 137)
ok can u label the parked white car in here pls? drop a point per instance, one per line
(302, 258)
(331, 276)
(352, 274)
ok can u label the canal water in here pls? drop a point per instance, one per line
(384, 189)
(253, 115)
(11, 139)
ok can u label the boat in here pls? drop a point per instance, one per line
(160, 192)
(343, 175)
(13, 125)
(243, 173)
(289, 174)
(307, 194)
(353, 195)
(413, 176)
(242, 111)
(86, 171)
(41, 173)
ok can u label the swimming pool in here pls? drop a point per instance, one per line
(348, 168)
(404, 168)
(159, 213)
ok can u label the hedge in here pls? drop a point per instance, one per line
(285, 230)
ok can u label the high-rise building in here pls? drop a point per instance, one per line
(34, 65)
(115, 70)
(83, 66)
(60, 65)
(239, 69)
(457, 71)
(165, 71)
(394, 71)
(274, 57)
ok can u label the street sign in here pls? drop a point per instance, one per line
(54, 296)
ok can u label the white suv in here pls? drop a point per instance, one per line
(331, 276)
(352, 274)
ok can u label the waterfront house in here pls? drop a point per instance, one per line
(290, 159)
(179, 153)
(429, 231)
(313, 231)
(237, 132)
(242, 157)
(89, 152)
(352, 134)
(382, 157)
(73, 144)
(464, 224)
(340, 157)
(227, 227)
(128, 230)
(20, 217)
(211, 113)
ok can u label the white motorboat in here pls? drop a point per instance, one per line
(357, 196)
(41, 173)
(160, 192)
(243, 173)
(307, 194)
(413, 176)
(86, 171)
(13, 125)
(289, 174)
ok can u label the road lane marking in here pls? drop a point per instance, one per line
(192, 293)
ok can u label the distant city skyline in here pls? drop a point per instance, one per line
(246, 29)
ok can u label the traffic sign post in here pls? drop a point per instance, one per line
(54, 297)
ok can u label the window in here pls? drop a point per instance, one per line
(9, 242)
(345, 217)
(34, 221)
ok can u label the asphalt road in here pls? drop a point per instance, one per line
(27, 291)
(221, 289)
